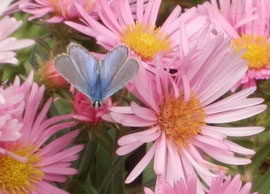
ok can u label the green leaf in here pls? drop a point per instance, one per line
(259, 157)
(262, 185)
(61, 107)
(118, 179)
(264, 136)
(86, 160)
(115, 166)
(10, 71)
(103, 163)
(106, 141)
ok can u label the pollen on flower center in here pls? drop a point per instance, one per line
(258, 50)
(16, 176)
(145, 42)
(181, 120)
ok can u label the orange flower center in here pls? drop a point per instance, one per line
(257, 50)
(181, 120)
(16, 176)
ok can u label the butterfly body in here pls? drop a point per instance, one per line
(97, 79)
(96, 104)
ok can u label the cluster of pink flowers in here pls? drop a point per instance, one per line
(23, 133)
(187, 67)
(221, 184)
(28, 163)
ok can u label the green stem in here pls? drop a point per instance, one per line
(106, 182)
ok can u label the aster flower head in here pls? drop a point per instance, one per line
(12, 104)
(85, 112)
(48, 76)
(247, 22)
(28, 165)
(221, 184)
(9, 44)
(181, 109)
(59, 10)
(139, 30)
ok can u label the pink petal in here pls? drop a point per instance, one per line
(123, 150)
(160, 156)
(235, 115)
(236, 131)
(132, 121)
(143, 112)
(134, 137)
(142, 164)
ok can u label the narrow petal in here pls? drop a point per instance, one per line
(123, 150)
(235, 115)
(142, 164)
(236, 131)
(160, 156)
(143, 112)
(134, 137)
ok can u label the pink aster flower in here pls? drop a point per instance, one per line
(247, 22)
(221, 184)
(181, 111)
(139, 30)
(8, 44)
(31, 164)
(12, 104)
(59, 10)
(86, 112)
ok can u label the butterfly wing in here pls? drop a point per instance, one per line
(67, 68)
(112, 64)
(126, 73)
(88, 67)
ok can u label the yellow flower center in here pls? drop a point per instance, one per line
(16, 176)
(258, 50)
(181, 120)
(145, 42)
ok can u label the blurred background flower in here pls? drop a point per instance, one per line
(8, 44)
(57, 10)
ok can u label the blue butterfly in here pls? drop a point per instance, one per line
(97, 79)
